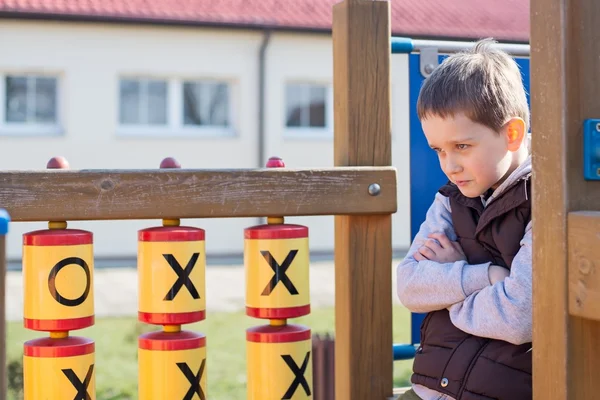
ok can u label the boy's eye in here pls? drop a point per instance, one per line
(462, 146)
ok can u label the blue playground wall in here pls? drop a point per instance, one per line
(425, 174)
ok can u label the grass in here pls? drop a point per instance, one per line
(116, 351)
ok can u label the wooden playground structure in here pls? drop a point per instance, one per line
(361, 192)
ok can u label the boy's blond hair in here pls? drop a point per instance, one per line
(484, 83)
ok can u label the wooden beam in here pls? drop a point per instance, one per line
(179, 193)
(363, 254)
(584, 264)
(564, 88)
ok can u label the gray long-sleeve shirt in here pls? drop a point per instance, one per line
(500, 311)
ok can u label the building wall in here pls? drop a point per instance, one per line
(90, 58)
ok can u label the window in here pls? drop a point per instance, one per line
(308, 106)
(173, 107)
(30, 104)
(143, 102)
(206, 104)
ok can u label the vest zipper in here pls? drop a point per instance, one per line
(461, 390)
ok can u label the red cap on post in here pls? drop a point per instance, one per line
(58, 163)
(170, 162)
(275, 162)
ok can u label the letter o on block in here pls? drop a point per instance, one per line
(58, 277)
(276, 261)
(171, 275)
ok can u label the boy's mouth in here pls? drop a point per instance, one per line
(461, 183)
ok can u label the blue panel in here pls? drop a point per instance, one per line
(4, 220)
(591, 149)
(426, 176)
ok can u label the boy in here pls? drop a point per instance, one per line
(469, 266)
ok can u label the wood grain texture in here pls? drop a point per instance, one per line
(549, 201)
(363, 256)
(581, 64)
(103, 195)
(584, 264)
(564, 86)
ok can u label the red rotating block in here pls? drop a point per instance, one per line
(59, 369)
(279, 364)
(276, 261)
(58, 278)
(171, 275)
(172, 365)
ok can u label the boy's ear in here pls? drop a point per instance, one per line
(515, 133)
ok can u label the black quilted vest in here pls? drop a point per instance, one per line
(451, 361)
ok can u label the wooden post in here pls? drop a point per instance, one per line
(564, 92)
(363, 256)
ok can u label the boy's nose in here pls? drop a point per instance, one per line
(453, 168)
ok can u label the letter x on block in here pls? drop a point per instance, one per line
(183, 276)
(300, 379)
(80, 386)
(279, 272)
(194, 380)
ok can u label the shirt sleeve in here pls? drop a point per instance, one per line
(501, 311)
(425, 286)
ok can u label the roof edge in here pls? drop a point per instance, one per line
(116, 19)
(166, 22)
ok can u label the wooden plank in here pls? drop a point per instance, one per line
(584, 264)
(549, 199)
(581, 64)
(180, 193)
(564, 89)
(3, 372)
(363, 360)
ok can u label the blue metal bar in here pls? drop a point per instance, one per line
(408, 45)
(402, 45)
(404, 352)
(4, 220)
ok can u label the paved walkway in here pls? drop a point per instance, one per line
(121, 284)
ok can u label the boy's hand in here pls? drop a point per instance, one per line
(497, 273)
(440, 249)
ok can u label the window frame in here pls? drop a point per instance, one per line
(24, 129)
(175, 127)
(306, 132)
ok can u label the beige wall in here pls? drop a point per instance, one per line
(89, 58)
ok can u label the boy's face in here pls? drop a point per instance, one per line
(473, 156)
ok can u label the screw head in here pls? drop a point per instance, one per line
(429, 68)
(598, 127)
(374, 189)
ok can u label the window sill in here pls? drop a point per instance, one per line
(152, 132)
(30, 131)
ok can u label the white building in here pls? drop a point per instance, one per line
(125, 87)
